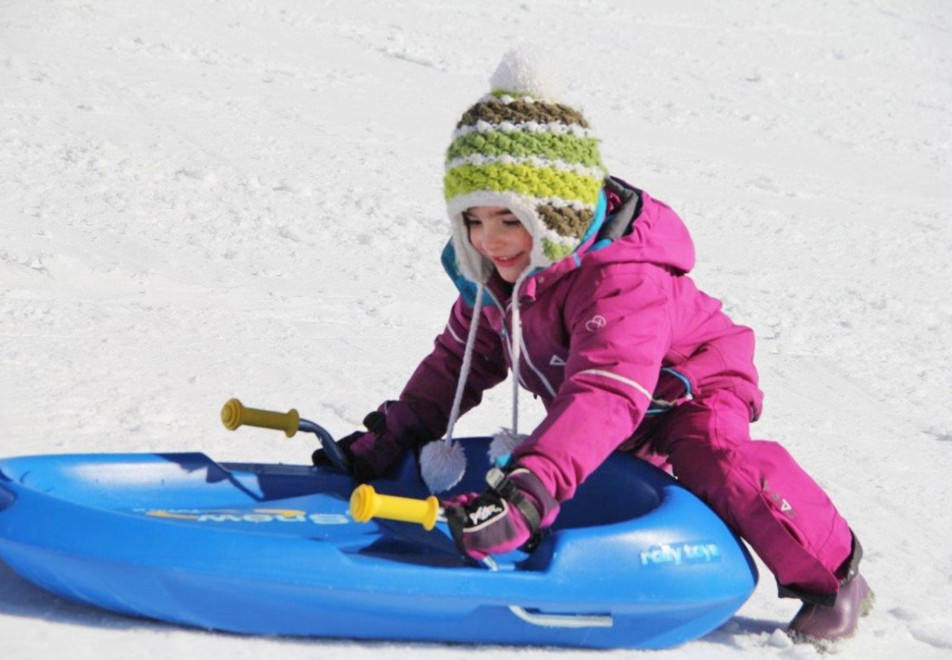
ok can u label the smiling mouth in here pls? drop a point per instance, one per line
(506, 261)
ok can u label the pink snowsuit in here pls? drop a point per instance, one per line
(597, 328)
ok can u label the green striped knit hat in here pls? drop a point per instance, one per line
(518, 148)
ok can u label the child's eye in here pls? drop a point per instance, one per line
(471, 222)
(512, 223)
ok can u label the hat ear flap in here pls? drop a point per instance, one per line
(473, 265)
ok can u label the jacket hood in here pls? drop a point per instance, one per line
(650, 232)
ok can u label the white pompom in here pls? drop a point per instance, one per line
(504, 443)
(527, 70)
(442, 465)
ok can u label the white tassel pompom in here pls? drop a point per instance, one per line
(504, 443)
(527, 70)
(442, 464)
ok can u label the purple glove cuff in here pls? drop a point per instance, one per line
(538, 495)
(373, 454)
(504, 518)
(404, 424)
(393, 428)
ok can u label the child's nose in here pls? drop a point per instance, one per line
(491, 235)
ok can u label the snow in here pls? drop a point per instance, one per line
(203, 199)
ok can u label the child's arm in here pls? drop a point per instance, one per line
(422, 411)
(611, 370)
(432, 386)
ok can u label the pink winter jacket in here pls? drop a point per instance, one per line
(597, 328)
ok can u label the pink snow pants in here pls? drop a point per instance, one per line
(756, 488)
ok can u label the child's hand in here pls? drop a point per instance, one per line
(505, 517)
(370, 452)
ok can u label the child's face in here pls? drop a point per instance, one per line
(501, 237)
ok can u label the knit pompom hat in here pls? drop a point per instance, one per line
(520, 149)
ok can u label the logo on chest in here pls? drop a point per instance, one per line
(595, 323)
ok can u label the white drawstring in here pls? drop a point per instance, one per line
(506, 440)
(467, 363)
(443, 463)
(515, 349)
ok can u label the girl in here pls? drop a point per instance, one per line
(578, 283)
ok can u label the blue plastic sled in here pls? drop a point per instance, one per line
(634, 560)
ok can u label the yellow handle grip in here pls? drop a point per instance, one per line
(366, 503)
(234, 414)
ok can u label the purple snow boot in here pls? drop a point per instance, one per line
(822, 623)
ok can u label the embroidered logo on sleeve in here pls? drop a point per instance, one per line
(595, 323)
